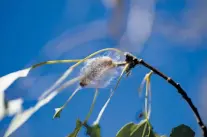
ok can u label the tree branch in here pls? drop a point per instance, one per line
(133, 61)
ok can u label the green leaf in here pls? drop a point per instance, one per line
(77, 129)
(94, 131)
(182, 131)
(156, 135)
(126, 130)
(143, 129)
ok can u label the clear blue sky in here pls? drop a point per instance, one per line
(34, 30)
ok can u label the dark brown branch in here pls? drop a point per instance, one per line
(135, 61)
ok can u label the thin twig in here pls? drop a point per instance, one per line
(135, 61)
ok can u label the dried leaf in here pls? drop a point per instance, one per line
(22, 117)
(14, 106)
(7, 80)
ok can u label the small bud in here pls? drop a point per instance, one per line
(57, 112)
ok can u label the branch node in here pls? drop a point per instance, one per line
(140, 60)
(203, 127)
(169, 79)
(178, 85)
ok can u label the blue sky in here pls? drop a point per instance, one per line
(169, 34)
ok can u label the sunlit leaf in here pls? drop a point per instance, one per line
(142, 129)
(126, 130)
(182, 131)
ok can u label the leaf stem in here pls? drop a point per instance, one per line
(54, 62)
